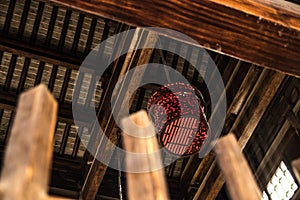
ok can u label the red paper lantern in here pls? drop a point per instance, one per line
(178, 113)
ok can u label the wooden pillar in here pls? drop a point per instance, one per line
(151, 184)
(238, 176)
(29, 152)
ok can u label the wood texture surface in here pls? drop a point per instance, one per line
(29, 152)
(151, 184)
(240, 181)
(264, 33)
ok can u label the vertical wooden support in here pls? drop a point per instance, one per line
(28, 155)
(240, 181)
(147, 185)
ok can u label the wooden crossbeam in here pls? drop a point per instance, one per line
(264, 33)
(28, 155)
(151, 184)
(238, 176)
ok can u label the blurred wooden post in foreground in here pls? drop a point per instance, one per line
(296, 168)
(28, 155)
(238, 176)
(150, 184)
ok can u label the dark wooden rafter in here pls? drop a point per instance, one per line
(24, 18)
(10, 72)
(240, 96)
(278, 144)
(77, 142)
(188, 173)
(77, 33)
(65, 86)
(102, 108)
(186, 63)
(89, 41)
(37, 22)
(39, 73)
(107, 87)
(9, 126)
(97, 169)
(23, 75)
(248, 29)
(52, 77)
(64, 139)
(64, 30)
(91, 91)
(196, 167)
(141, 96)
(245, 124)
(51, 25)
(9, 16)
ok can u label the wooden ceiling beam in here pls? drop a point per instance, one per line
(263, 33)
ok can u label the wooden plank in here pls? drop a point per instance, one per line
(98, 169)
(29, 152)
(148, 185)
(240, 181)
(247, 29)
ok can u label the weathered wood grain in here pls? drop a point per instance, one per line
(264, 33)
(29, 152)
(240, 181)
(146, 185)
